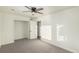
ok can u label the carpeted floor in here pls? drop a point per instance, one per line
(31, 46)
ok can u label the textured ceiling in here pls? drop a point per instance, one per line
(47, 10)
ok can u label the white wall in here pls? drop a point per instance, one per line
(7, 29)
(65, 28)
(1, 29)
(33, 29)
(26, 29)
(21, 29)
(7, 26)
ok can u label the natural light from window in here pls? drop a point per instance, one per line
(60, 33)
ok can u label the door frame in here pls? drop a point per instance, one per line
(15, 27)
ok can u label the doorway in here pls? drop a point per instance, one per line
(22, 30)
(38, 29)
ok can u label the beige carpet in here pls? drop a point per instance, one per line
(31, 46)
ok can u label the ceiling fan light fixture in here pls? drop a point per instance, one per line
(35, 10)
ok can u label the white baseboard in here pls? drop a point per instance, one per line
(66, 48)
(21, 38)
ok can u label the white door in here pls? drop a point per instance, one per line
(33, 29)
(21, 29)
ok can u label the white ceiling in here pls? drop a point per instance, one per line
(47, 9)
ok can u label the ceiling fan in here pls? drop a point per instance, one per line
(34, 9)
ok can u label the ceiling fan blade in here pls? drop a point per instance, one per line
(28, 7)
(39, 12)
(39, 9)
